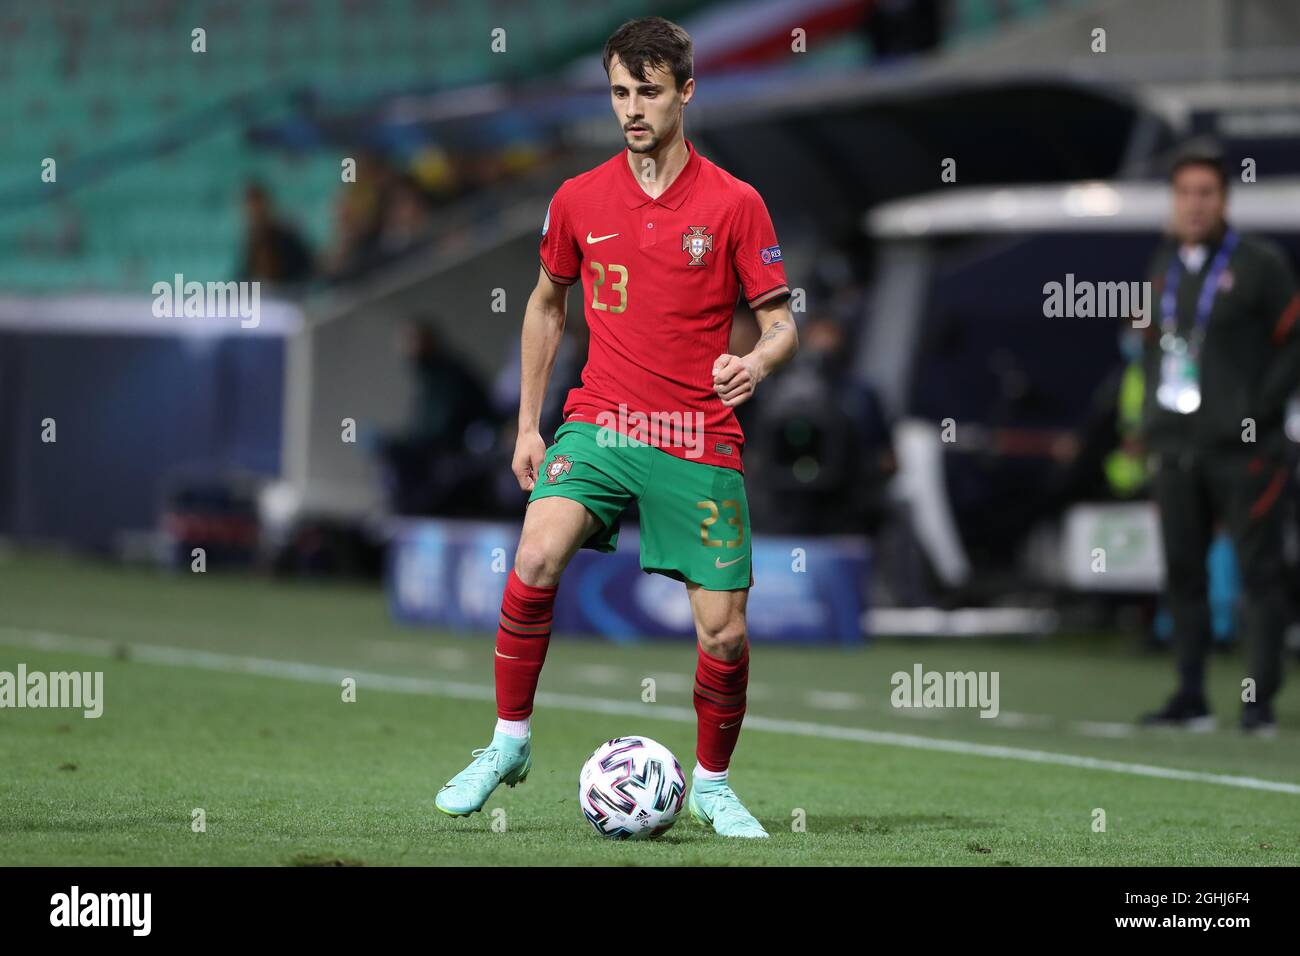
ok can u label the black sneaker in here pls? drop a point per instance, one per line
(1257, 720)
(1187, 713)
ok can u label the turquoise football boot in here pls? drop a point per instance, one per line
(506, 760)
(713, 803)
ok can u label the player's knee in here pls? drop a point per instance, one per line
(725, 641)
(537, 565)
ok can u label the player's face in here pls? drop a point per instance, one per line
(649, 111)
(1199, 203)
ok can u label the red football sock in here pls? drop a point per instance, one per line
(522, 638)
(719, 707)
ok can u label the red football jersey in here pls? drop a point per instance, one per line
(660, 282)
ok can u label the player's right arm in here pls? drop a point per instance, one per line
(543, 329)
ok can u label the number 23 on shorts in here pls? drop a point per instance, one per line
(732, 508)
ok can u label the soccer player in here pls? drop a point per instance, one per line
(663, 242)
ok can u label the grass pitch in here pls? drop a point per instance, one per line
(224, 694)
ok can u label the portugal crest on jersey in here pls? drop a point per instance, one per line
(697, 244)
(558, 468)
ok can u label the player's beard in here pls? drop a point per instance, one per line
(643, 146)
(651, 143)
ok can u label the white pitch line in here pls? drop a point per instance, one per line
(448, 658)
(602, 675)
(319, 674)
(676, 682)
(1102, 728)
(1013, 718)
(833, 700)
(672, 681)
(916, 713)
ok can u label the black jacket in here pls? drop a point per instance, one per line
(1250, 359)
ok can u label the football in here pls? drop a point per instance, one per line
(631, 788)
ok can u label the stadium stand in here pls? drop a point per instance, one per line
(151, 157)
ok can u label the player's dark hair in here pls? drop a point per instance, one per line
(651, 42)
(1200, 152)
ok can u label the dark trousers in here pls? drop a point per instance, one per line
(1195, 491)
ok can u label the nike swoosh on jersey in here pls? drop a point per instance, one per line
(719, 563)
(592, 240)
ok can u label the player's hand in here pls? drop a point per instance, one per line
(530, 453)
(734, 378)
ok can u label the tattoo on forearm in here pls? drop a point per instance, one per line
(773, 331)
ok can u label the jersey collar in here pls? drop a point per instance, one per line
(675, 195)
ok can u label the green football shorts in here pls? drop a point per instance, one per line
(694, 516)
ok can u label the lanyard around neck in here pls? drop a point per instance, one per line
(1204, 301)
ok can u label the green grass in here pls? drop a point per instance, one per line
(289, 774)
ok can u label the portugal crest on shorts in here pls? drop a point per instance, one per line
(558, 468)
(697, 244)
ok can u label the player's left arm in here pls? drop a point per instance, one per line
(736, 376)
(1281, 308)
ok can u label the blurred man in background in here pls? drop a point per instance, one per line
(407, 219)
(273, 250)
(1222, 356)
(434, 465)
(821, 437)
